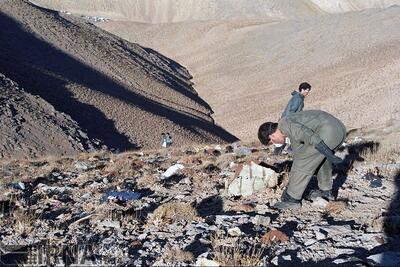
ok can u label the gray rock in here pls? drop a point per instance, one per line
(220, 219)
(310, 242)
(319, 235)
(80, 165)
(110, 224)
(333, 230)
(261, 220)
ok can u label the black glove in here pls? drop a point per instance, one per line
(327, 152)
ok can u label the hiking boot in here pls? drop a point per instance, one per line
(314, 194)
(287, 202)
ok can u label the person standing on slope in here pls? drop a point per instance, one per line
(295, 104)
(314, 135)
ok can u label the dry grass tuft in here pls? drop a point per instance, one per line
(24, 222)
(273, 237)
(147, 181)
(235, 254)
(335, 207)
(382, 153)
(174, 211)
(173, 255)
(124, 165)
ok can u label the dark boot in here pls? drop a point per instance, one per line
(314, 194)
(287, 202)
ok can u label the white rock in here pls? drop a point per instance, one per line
(206, 262)
(172, 170)
(235, 231)
(274, 261)
(142, 236)
(319, 202)
(287, 257)
(251, 179)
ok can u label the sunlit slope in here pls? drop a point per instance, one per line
(163, 11)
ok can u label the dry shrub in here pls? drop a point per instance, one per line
(224, 160)
(173, 255)
(191, 160)
(147, 181)
(274, 236)
(124, 165)
(174, 211)
(335, 207)
(244, 207)
(24, 221)
(236, 255)
(382, 153)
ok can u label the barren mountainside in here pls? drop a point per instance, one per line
(164, 11)
(246, 69)
(31, 127)
(121, 93)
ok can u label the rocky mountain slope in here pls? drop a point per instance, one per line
(118, 92)
(31, 127)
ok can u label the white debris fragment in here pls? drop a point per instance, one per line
(172, 170)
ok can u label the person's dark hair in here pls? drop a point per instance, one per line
(304, 86)
(265, 130)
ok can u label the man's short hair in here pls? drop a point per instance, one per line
(265, 130)
(304, 86)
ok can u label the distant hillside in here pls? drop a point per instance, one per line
(31, 127)
(164, 11)
(121, 93)
(248, 56)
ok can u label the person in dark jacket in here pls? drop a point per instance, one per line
(296, 103)
(314, 136)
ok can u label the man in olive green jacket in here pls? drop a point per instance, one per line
(314, 135)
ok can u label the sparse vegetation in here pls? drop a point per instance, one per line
(174, 211)
(173, 255)
(231, 252)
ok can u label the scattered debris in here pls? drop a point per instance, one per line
(134, 218)
(172, 170)
(121, 196)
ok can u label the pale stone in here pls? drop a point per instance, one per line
(235, 231)
(203, 262)
(251, 179)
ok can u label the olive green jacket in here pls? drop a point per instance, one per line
(310, 127)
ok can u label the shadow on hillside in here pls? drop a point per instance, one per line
(46, 71)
